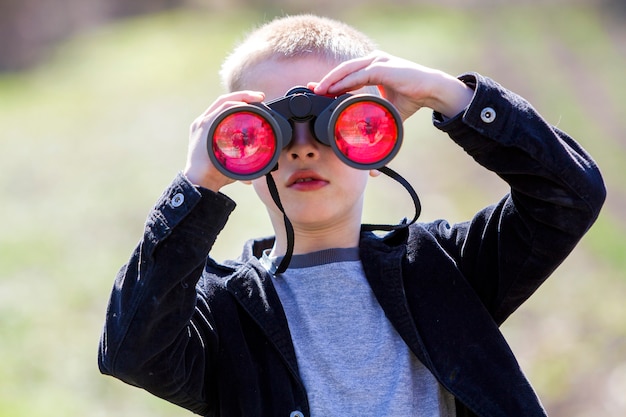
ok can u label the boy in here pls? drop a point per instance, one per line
(400, 325)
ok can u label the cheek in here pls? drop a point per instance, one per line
(355, 181)
(260, 187)
(359, 176)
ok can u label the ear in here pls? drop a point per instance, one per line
(374, 173)
(247, 182)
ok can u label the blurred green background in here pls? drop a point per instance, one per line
(93, 126)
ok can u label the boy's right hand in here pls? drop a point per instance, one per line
(199, 168)
(407, 85)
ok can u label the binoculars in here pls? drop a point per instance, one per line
(245, 141)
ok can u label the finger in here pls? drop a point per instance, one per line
(312, 85)
(368, 76)
(224, 102)
(238, 96)
(335, 77)
(247, 96)
(210, 114)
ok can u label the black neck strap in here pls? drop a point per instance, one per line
(284, 263)
(416, 202)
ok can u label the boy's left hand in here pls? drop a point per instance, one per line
(407, 85)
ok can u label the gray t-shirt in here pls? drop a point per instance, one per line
(351, 359)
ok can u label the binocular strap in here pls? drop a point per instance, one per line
(416, 202)
(284, 263)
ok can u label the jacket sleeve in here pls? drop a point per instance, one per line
(556, 192)
(157, 334)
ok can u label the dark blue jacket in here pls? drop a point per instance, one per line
(214, 338)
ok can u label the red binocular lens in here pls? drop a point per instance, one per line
(364, 131)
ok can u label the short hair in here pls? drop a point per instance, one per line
(293, 37)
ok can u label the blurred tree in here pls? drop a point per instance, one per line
(29, 27)
(616, 8)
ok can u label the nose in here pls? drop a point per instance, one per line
(303, 145)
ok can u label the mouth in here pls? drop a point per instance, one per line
(306, 179)
(300, 180)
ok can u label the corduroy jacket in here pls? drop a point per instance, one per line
(213, 338)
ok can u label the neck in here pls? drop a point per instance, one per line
(312, 238)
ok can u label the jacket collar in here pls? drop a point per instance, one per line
(382, 262)
(251, 285)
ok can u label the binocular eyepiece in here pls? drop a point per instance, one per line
(365, 131)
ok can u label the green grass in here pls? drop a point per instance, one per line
(91, 138)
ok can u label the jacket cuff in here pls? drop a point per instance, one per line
(492, 111)
(203, 209)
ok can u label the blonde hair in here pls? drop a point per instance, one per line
(293, 37)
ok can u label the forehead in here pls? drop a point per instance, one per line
(275, 76)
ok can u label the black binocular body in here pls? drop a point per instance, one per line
(364, 130)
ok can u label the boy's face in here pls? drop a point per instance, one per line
(316, 189)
